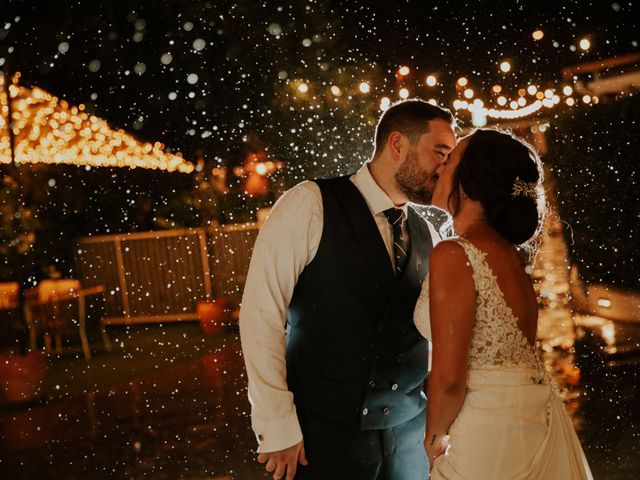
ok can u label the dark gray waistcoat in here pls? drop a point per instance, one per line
(353, 353)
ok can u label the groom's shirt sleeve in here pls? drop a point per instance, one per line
(286, 243)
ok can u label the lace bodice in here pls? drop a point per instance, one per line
(496, 340)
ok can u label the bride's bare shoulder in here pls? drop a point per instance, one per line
(448, 254)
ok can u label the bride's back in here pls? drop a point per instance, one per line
(513, 281)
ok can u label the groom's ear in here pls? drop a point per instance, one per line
(395, 143)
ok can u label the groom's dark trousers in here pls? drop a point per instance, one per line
(356, 364)
(339, 453)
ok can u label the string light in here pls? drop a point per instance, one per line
(49, 130)
(585, 44)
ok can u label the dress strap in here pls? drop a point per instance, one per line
(476, 260)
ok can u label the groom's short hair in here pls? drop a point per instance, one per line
(409, 117)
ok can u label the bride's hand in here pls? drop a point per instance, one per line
(435, 447)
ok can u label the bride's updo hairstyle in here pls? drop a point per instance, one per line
(504, 174)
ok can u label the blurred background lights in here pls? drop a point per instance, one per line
(505, 66)
(462, 81)
(538, 34)
(532, 89)
(431, 80)
(385, 102)
(336, 90)
(199, 44)
(404, 70)
(468, 93)
(479, 118)
(63, 47)
(585, 44)
(404, 93)
(303, 88)
(364, 87)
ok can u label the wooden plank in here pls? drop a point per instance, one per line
(140, 319)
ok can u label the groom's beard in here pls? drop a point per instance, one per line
(416, 183)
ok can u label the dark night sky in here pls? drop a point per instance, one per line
(239, 97)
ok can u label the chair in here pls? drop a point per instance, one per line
(9, 295)
(8, 312)
(57, 309)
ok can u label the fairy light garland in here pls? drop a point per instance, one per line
(49, 130)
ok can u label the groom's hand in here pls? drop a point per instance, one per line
(284, 461)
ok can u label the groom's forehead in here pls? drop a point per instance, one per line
(441, 136)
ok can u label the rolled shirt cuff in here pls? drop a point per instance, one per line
(274, 435)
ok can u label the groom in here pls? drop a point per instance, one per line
(335, 365)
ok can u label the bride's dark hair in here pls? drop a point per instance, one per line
(487, 172)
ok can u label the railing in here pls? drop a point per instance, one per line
(160, 276)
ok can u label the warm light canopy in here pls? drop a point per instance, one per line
(49, 130)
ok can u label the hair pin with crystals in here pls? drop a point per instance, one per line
(525, 189)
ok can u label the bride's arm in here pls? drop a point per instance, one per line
(452, 309)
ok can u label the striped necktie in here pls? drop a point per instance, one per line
(400, 238)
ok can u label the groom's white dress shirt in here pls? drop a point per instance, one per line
(286, 244)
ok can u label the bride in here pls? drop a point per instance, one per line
(493, 412)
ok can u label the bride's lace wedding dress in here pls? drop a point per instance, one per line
(512, 424)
